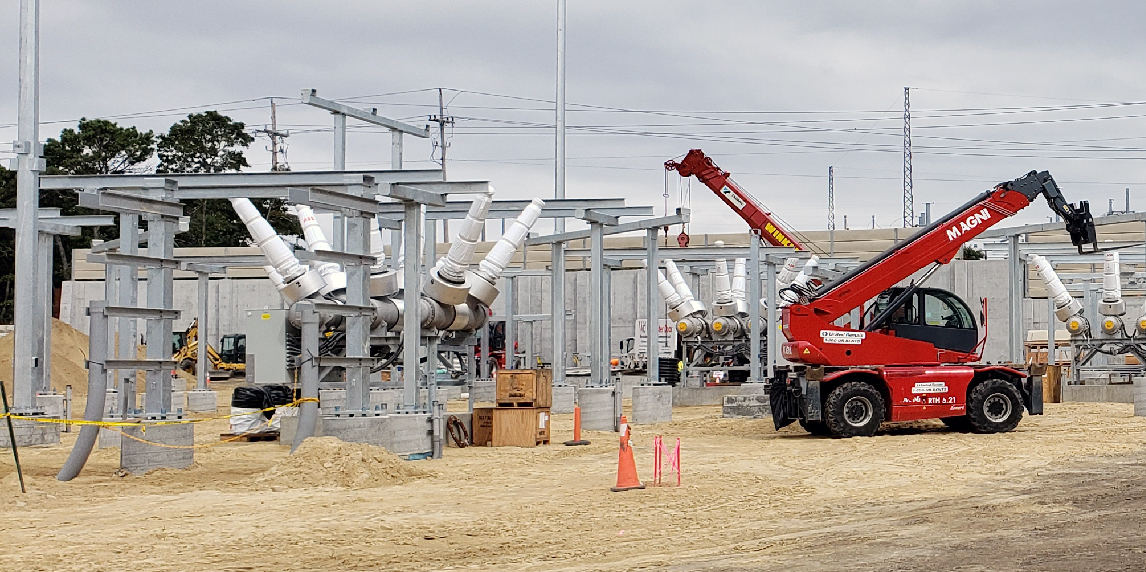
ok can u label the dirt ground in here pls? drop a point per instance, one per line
(1063, 492)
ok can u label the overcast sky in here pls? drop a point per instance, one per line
(774, 91)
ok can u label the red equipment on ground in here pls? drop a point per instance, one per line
(896, 365)
(754, 213)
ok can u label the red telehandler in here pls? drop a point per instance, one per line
(911, 356)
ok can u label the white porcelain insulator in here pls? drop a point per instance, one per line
(461, 254)
(721, 284)
(265, 237)
(1111, 281)
(670, 295)
(316, 241)
(739, 278)
(806, 273)
(1065, 305)
(502, 253)
(678, 281)
(377, 248)
(788, 273)
(276, 278)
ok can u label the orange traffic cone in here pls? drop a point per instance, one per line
(626, 465)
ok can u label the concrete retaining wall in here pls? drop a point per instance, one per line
(1098, 393)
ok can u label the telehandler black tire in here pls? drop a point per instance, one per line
(994, 406)
(817, 428)
(854, 409)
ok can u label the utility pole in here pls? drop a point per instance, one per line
(831, 211)
(275, 136)
(442, 122)
(559, 188)
(908, 199)
(28, 167)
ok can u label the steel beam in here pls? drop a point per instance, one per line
(510, 294)
(754, 372)
(310, 97)
(217, 185)
(1014, 268)
(654, 306)
(411, 322)
(557, 308)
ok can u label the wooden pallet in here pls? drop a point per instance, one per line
(250, 437)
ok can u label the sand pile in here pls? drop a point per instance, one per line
(330, 462)
(69, 350)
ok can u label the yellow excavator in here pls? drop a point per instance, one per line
(231, 360)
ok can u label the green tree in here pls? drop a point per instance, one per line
(206, 142)
(99, 147)
(94, 147)
(210, 142)
(973, 254)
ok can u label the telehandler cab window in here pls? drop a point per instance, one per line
(940, 310)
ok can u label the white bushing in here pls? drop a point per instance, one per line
(788, 273)
(1065, 305)
(1140, 326)
(482, 290)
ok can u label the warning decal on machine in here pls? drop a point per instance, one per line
(930, 387)
(835, 337)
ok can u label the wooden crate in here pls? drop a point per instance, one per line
(482, 433)
(524, 388)
(520, 426)
(1052, 384)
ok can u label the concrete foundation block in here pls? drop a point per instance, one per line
(693, 396)
(372, 430)
(200, 400)
(564, 398)
(409, 434)
(52, 404)
(138, 457)
(110, 403)
(178, 401)
(651, 404)
(178, 383)
(1140, 397)
(1098, 393)
(753, 388)
(331, 400)
(109, 438)
(385, 400)
(288, 426)
(30, 434)
(484, 391)
(599, 408)
(746, 407)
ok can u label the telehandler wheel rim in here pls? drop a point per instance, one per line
(858, 411)
(997, 407)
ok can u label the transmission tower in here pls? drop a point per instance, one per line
(908, 200)
(831, 211)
